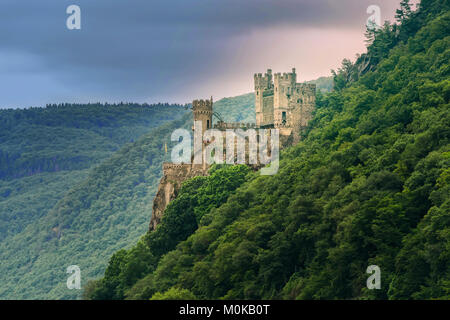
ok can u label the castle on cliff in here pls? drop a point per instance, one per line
(280, 103)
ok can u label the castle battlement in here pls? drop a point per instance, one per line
(173, 169)
(286, 76)
(202, 104)
(307, 86)
(170, 165)
(203, 111)
(234, 125)
(180, 172)
(263, 82)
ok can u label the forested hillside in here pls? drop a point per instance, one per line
(323, 84)
(69, 137)
(236, 109)
(368, 185)
(44, 152)
(99, 203)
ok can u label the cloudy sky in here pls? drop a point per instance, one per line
(170, 50)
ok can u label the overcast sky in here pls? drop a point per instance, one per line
(170, 50)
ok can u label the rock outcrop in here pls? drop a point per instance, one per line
(170, 184)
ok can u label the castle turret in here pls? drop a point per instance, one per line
(285, 88)
(263, 98)
(282, 103)
(203, 111)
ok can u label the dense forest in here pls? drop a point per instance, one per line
(44, 152)
(70, 137)
(369, 184)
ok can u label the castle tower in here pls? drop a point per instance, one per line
(285, 89)
(264, 98)
(282, 103)
(203, 111)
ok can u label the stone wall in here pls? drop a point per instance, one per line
(233, 125)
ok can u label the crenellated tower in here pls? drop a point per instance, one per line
(264, 98)
(285, 86)
(203, 111)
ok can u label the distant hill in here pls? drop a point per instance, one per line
(324, 84)
(237, 109)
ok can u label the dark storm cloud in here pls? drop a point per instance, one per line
(138, 49)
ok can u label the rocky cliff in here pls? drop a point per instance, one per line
(170, 184)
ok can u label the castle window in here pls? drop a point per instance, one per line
(283, 117)
(207, 124)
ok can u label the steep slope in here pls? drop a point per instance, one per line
(103, 213)
(368, 185)
(44, 152)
